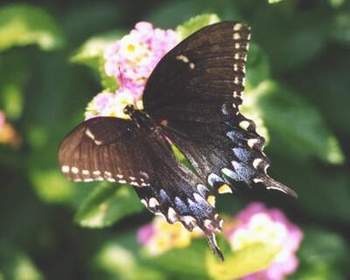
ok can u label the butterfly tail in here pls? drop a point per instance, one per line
(214, 246)
(272, 184)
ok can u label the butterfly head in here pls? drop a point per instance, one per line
(140, 118)
(129, 110)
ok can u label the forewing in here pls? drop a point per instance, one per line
(199, 75)
(195, 92)
(105, 148)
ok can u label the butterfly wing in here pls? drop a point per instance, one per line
(178, 193)
(105, 148)
(112, 149)
(191, 76)
(195, 92)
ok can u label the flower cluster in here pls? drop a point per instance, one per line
(258, 225)
(109, 104)
(160, 236)
(8, 134)
(252, 226)
(130, 61)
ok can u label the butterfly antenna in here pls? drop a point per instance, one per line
(272, 184)
(214, 246)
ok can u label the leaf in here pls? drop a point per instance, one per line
(340, 31)
(107, 205)
(251, 111)
(258, 67)
(290, 43)
(328, 88)
(11, 95)
(93, 49)
(91, 53)
(258, 70)
(81, 21)
(22, 24)
(13, 76)
(274, 1)
(336, 3)
(118, 260)
(173, 13)
(188, 262)
(323, 256)
(298, 124)
(196, 23)
(316, 185)
(53, 187)
(242, 263)
(15, 264)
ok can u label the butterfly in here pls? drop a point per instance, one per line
(191, 101)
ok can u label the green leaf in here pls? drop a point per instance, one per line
(107, 205)
(91, 53)
(53, 187)
(251, 110)
(328, 88)
(93, 49)
(119, 260)
(286, 42)
(172, 13)
(243, 262)
(274, 1)
(22, 24)
(340, 31)
(188, 262)
(298, 124)
(258, 67)
(196, 23)
(316, 184)
(11, 95)
(14, 264)
(323, 255)
(258, 70)
(13, 76)
(336, 3)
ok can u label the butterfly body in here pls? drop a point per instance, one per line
(191, 100)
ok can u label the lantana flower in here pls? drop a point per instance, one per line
(258, 225)
(109, 104)
(159, 236)
(130, 61)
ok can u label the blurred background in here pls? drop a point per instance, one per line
(298, 85)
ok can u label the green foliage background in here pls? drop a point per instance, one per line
(298, 90)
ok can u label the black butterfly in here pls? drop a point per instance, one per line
(191, 100)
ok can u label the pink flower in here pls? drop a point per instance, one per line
(160, 236)
(145, 233)
(132, 59)
(257, 224)
(110, 104)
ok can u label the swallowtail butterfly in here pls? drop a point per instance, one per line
(191, 100)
